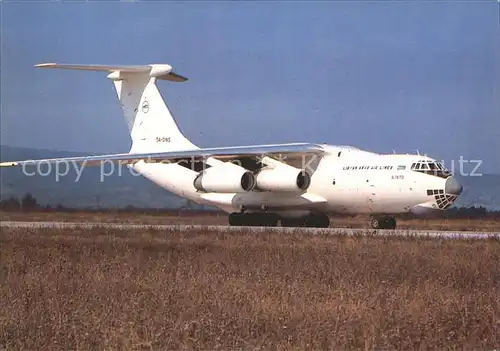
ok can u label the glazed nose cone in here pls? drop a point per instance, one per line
(453, 187)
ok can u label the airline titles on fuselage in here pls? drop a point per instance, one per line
(364, 168)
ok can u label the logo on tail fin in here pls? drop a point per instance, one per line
(145, 106)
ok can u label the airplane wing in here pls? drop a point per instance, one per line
(279, 151)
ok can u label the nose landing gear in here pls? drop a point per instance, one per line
(383, 222)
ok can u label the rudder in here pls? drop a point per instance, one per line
(151, 124)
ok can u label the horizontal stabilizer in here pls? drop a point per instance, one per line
(160, 71)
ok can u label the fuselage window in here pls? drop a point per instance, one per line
(333, 182)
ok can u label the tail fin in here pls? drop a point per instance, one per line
(152, 127)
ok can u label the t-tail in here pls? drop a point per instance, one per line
(150, 122)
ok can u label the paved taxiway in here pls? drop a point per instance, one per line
(331, 231)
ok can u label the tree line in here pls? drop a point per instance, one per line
(28, 203)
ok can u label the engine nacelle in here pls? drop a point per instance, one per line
(283, 178)
(225, 178)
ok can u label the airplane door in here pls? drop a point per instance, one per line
(371, 190)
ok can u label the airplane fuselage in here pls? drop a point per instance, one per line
(345, 180)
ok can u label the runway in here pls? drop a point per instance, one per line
(286, 230)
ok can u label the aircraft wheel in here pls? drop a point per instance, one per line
(375, 223)
(262, 219)
(317, 221)
(390, 223)
(383, 222)
(236, 219)
(268, 220)
(292, 222)
(253, 219)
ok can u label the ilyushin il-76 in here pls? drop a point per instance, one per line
(295, 184)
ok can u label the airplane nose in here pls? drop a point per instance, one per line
(452, 186)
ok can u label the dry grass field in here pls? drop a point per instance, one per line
(221, 219)
(147, 289)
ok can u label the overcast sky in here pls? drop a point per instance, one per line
(376, 75)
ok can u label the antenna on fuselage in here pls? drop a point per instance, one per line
(418, 152)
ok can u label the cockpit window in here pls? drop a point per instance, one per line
(432, 168)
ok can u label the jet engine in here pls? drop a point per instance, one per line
(283, 178)
(225, 178)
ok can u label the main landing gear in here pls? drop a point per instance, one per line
(263, 219)
(383, 222)
(257, 219)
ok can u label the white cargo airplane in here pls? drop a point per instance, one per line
(297, 184)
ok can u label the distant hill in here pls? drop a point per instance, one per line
(121, 190)
(480, 191)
